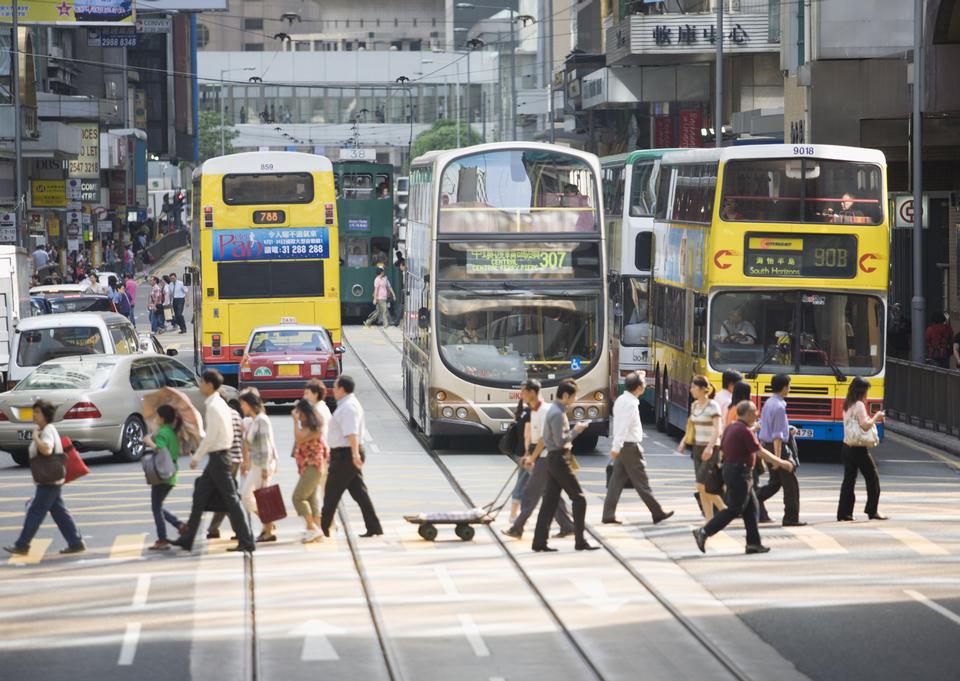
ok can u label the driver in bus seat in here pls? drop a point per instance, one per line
(846, 213)
(736, 329)
(470, 332)
(731, 211)
(572, 198)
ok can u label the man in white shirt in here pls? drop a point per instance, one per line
(346, 460)
(725, 396)
(179, 294)
(628, 462)
(537, 483)
(216, 480)
(40, 258)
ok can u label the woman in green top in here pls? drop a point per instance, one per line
(168, 435)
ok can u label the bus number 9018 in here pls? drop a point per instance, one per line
(803, 151)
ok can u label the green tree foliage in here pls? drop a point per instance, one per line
(210, 135)
(443, 135)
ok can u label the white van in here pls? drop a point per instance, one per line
(38, 339)
(15, 270)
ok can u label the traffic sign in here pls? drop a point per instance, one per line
(903, 211)
(8, 228)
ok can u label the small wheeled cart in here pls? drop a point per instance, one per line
(463, 521)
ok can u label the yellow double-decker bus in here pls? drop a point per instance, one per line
(264, 251)
(771, 259)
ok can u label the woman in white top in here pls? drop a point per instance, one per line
(705, 450)
(859, 434)
(47, 498)
(259, 456)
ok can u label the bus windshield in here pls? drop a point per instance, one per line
(248, 189)
(756, 330)
(802, 190)
(525, 191)
(504, 337)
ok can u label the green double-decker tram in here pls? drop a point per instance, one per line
(365, 212)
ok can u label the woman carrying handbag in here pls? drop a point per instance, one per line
(259, 457)
(859, 436)
(48, 465)
(703, 438)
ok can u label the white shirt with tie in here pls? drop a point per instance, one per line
(626, 421)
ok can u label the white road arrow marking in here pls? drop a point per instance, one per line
(316, 642)
(597, 596)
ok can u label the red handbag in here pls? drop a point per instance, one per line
(270, 505)
(76, 468)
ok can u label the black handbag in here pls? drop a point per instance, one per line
(713, 480)
(48, 469)
(627, 485)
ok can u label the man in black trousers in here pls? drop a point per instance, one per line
(216, 478)
(558, 441)
(346, 460)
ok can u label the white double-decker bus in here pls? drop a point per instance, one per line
(505, 282)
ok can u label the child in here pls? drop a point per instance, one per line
(167, 435)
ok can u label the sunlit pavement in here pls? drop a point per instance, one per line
(864, 600)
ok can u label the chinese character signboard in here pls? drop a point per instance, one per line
(233, 245)
(70, 11)
(663, 132)
(690, 128)
(690, 33)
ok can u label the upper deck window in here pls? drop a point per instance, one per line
(802, 190)
(267, 188)
(518, 191)
(364, 186)
(643, 188)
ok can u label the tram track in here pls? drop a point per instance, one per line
(685, 622)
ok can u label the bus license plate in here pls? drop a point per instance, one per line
(24, 434)
(804, 433)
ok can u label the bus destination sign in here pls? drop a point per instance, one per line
(238, 245)
(519, 261)
(827, 256)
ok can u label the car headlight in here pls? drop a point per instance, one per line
(593, 412)
(447, 412)
(462, 412)
(578, 413)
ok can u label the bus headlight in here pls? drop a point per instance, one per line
(357, 290)
(447, 412)
(462, 412)
(578, 413)
(593, 412)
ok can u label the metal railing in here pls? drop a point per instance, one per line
(923, 395)
(163, 246)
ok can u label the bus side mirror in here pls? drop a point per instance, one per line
(187, 278)
(423, 318)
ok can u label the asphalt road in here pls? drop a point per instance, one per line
(864, 600)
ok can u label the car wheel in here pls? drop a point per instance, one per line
(131, 440)
(22, 459)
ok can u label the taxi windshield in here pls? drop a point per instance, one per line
(291, 340)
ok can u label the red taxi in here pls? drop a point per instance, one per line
(279, 360)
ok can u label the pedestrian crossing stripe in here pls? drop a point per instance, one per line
(721, 541)
(38, 548)
(127, 546)
(914, 541)
(820, 542)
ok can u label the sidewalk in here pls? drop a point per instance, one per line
(940, 441)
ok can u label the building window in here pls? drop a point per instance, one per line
(378, 23)
(396, 45)
(347, 23)
(361, 45)
(253, 47)
(416, 45)
(253, 24)
(302, 46)
(361, 23)
(433, 22)
(414, 21)
(203, 36)
(396, 22)
(348, 45)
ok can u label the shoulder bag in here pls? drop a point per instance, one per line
(75, 467)
(48, 469)
(158, 466)
(690, 436)
(855, 436)
(713, 480)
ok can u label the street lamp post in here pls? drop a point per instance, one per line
(918, 303)
(222, 117)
